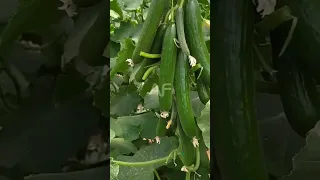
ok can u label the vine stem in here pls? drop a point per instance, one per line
(157, 174)
(150, 56)
(137, 164)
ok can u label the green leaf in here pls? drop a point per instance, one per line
(125, 102)
(307, 162)
(151, 100)
(204, 123)
(89, 27)
(123, 146)
(114, 6)
(131, 127)
(129, 4)
(114, 171)
(126, 30)
(31, 15)
(152, 152)
(112, 134)
(125, 53)
(197, 105)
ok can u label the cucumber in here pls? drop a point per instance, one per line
(186, 151)
(235, 128)
(298, 89)
(148, 84)
(156, 11)
(203, 91)
(182, 94)
(155, 49)
(195, 38)
(180, 31)
(167, 68)
(307, 33)
(161, 127)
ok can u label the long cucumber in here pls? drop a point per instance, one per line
(235, 136)
(156, 11)
(167, 68)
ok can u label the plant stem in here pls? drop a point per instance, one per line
(137, 164)
(150, 56)
(148, 72)
(157, 174)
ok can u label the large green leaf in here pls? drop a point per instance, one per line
(152, 152)
(132, 127)
(123, 146)
(125, 101)
(204, 124)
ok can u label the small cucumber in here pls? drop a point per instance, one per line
(167, 68)
(203, 91)
(148, 84)
(155, 49)
(156, 11)
(186, 151)
(195, 38)
(161, 127)
(182, 92)
(180, 31)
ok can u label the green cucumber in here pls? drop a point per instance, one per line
(203, 91)
(167, 68)
(204, 160)
(307, 33)
(148, 84)
(195, 38)
(235, 135)
(180, 31)
(298, 90)
(156, 11)
(161, 127)
(186, 151)
(155, 49)
(182, 92)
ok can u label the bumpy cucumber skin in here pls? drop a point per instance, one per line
(149, 29)
(203, 91)
(180, 30)
(155, 49)
(167, 68)
(182, 94)
(195, 38)
(236, 141)
(298, 89)
(186, 150)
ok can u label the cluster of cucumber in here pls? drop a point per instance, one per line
(172, 35)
